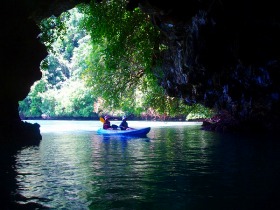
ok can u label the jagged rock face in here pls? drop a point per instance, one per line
(223, 54)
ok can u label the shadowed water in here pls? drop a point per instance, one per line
(177, 166)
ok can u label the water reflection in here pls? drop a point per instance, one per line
(122, 141)
(177, 167)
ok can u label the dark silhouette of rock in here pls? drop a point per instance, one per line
(222, 54)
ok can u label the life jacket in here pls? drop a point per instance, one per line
(106, 124)
(123, 125)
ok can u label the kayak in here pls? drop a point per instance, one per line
(131, 132)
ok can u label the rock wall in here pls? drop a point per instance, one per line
(223, 54)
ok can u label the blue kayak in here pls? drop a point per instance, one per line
(131, 132)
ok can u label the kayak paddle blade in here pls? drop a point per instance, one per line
(102, 119)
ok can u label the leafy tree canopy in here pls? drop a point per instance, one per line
(112, 51)
(120, 65)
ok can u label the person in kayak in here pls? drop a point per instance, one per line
(124, 124)
(107, 124)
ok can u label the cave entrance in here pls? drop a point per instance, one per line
(61, 92)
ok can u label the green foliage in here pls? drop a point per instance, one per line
(29, 107)
(52, 29)
(102, 51)
(123, 45)
(72, 100)
(56, 72)
(199, 112)
(60, 92)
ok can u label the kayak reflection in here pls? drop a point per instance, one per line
(121, 142)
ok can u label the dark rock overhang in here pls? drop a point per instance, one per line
(223, 54)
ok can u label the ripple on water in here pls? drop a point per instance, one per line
(178, 167)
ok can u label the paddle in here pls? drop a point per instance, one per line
(102, 119)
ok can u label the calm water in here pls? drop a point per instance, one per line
(178, 166)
